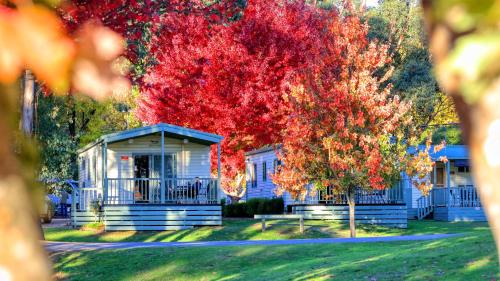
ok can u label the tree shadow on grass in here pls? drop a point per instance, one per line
(466, 258)
(249, 229)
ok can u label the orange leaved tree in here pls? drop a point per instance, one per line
(345, 131)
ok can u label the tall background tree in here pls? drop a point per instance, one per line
(400, 25)
(65, 123)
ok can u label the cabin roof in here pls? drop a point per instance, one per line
(263, 149)
(451, 151)
(172, 131)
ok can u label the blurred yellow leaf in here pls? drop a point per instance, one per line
(10, 58)
(46, 49)
(98, 69)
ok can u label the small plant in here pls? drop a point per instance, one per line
(95, 207)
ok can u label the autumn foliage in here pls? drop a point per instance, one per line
(263, 73)
(231, 78)
(345, 128)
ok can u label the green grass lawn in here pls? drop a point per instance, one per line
(249, 229)
(469, 257)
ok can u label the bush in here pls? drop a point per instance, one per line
(254, 206)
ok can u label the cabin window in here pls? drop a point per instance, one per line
(253, 175)
(276, 165)
(464, 169)
(439, 177)
(264, 172)
(83, 170)
(88, 174)
(94, 168)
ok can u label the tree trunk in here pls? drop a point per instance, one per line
(28, 103)
(27, 119)
(352, 204)
(484, 144)
(19, 235)
(479, 116)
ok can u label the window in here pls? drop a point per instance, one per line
(439, 177)
(88, 176)
(264, 171)
(82, 171)
(276, 165)
(252, 174)
(94, 162)
(463, 169)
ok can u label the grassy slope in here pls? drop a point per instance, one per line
(471, 257)
(251, 230)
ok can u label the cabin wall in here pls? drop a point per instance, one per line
(192, 159)
(264, 189)
(90, 167)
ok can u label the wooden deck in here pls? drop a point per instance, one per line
(459, 214)
(153, 217)
(394, 215)
(451, 204)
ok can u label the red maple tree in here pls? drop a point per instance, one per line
(344, 132)
(231, 78)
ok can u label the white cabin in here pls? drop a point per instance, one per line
(161, 170)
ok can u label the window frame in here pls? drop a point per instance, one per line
(254, 175)
(264, 171)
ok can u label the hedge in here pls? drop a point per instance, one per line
(254, 206)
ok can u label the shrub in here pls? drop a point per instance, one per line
(254, 206)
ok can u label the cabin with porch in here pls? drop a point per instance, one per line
(156, 177)
(381, 207)
(454, 196)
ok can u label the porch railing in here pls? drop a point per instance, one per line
(462, 196)
(86, 196)
(148, 191)
(370, 197)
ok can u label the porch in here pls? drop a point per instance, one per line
(151, 178)
(454, 196)
(380, 207)
(459, 203)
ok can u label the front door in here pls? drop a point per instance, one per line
(439, 195)
(141, 175)
(147, 173)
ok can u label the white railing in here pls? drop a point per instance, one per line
(328, 196)
(425, 206)
(87, 195)
(462, 196)
(148, 191)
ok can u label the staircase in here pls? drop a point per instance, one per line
(424, 206)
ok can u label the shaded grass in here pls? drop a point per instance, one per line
(249, 229)
(470, 257)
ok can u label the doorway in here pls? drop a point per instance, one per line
(141, 175)
(147, 174)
